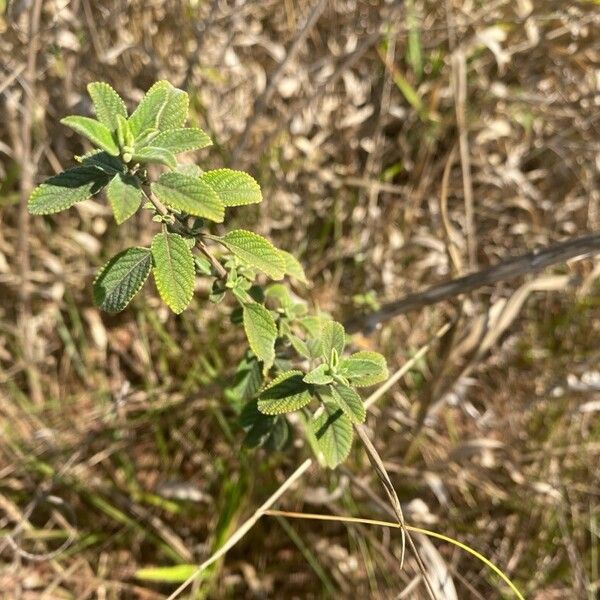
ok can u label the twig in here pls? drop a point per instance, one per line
(161, 209)
(531, 262)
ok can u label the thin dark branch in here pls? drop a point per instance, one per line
(508, 269)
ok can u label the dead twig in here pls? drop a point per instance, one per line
(525, 264)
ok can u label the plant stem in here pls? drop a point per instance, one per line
(164, 211)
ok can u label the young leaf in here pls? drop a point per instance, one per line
(182, 140)
(173, 268)
(333, 337)
(163, 107)
(261, 332)
(286, 393)
(98, 133)
(107, 104)
(121, 278)
(293, 268)
(152, 154)
(299, 345)
(125, 196)
(333, 432)
(255, 251)
(175, 113)
(349, 401)
(319, 375)
(235, 188)
(67, 188)
(124, 134)
(364, 368)
(190, 195)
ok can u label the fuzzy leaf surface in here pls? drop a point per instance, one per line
(234, 188)
(98, 133)
(333, 432)
(261, 332)
(173, 269)
(153, 154)
(182, 140)
(121, 278)
(124, 195)
(365, 368)
(349, 401)
(65, 189)
(190, 195)
(286, 393)
(262, 430)
(246, 381)
(333, 337)
(293, 268)
(107, 104)
(255, 251)
(103, 161)
(319, 375)
(163, 107)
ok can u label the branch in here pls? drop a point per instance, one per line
(509, 269)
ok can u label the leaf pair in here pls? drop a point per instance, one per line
(208, 194)
(122, 277)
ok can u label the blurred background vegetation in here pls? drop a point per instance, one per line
(398, 144)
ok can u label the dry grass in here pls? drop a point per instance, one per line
(493, 438)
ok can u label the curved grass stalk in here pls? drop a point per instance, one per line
(340, 519)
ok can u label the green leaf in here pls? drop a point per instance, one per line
(175, 112)
(107, 104)
(261, 332)
(255, 251)
(64, 190)
(333, 432)
(121, 278)
(286, 393)
(293, 268)
(182, 140)
(174, 574)
(246, 381)
(349, 401)
(98, 133)
(189, 169)
(152, 154)
(319, 375)
(125, 196)
(103, 161)
(173, 268)
(124, 134)
(163, 107)
(333, 337)
(299, 345)
(364, 368)
(190, 195)
(263, 430)
(235, 188)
